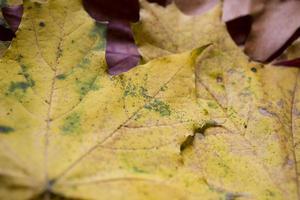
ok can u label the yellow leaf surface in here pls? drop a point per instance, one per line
(164, 31)
(293, 51)
(202, 124)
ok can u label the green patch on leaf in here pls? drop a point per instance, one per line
(144, 93)
(24, 72)
(85, 86)
(21, 85)
(99, 32)
(138, 170)
(71, 124)
(61, 77)
(6, 129)
(164, 88)
(212, 105)
(159, 106)
(84, 62)
(130, 90)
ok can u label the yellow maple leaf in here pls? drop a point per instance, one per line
(193, 125)
(164, 31)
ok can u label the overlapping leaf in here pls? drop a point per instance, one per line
(121, 52)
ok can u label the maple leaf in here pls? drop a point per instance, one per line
(166, 30)
(205, 123)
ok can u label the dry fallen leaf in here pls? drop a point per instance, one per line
(10, 17)
(272, 30)
(164, 31)
(266, 28)
(121, 52)
(195, 7)
(13, 16)
(205, 123)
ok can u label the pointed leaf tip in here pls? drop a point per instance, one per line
(199, 51)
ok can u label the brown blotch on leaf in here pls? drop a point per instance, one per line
(253, 69)
(42, 24)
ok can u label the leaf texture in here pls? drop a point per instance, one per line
(164, 31)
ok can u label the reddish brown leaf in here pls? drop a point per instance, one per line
(161, 2)
(6, 34)
(273, 29)
(195, 7)
(239, 29)
(107, 10)
(13, 16)
(289, 63)
(121, 52)
(233, 9)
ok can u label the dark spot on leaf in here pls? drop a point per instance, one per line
(187, 142)
(219, 79)
(19, 86)
(232, 196)
(6, 129)
(212, 105)
(138, 170)
(163, 88)
(42, 24)
(253, 69)
(37, 4)
(270, 193)
(19, 57)
(48, 194)
(59, 53)
(61, 77)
